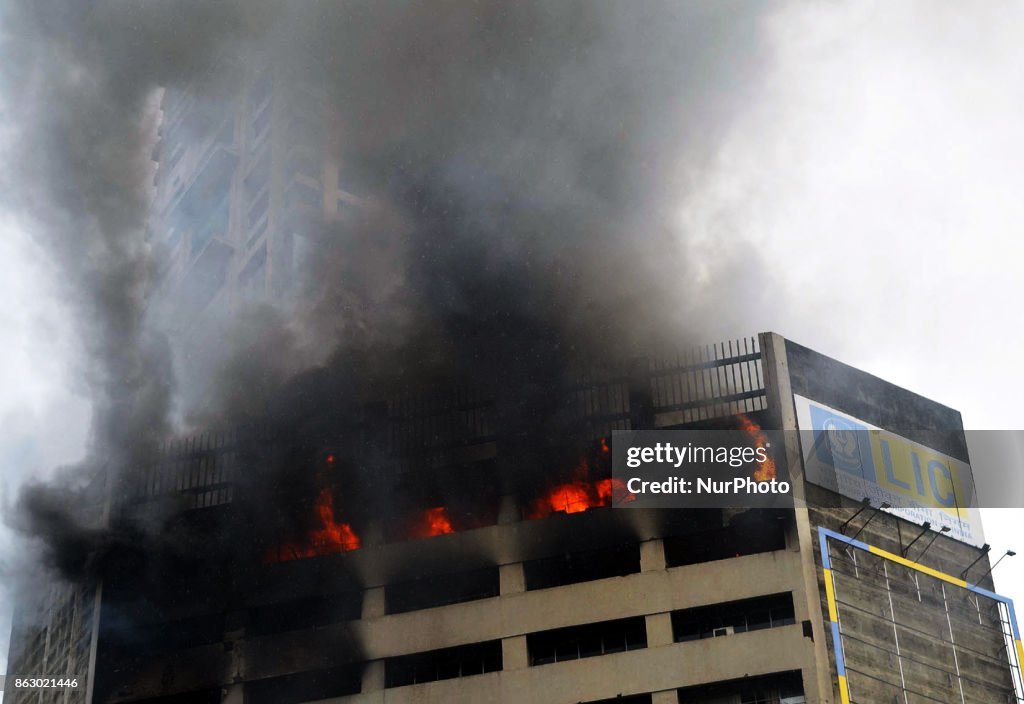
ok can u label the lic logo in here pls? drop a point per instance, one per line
(843, 445)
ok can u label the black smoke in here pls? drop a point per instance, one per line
(520, 165)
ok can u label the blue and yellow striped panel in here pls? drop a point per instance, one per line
(824, 535)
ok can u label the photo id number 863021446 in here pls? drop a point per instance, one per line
(44, 682)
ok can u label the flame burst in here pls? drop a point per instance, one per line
(433, 521)
(329, 538)
(766, 472)
(580, 494)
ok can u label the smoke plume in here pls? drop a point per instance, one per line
(520, 167)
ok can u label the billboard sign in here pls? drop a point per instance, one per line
(858, 460)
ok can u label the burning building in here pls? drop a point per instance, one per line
(487, 581)
(407, 497)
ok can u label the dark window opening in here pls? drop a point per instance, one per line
(733, 617)
(748, 533)
(441, 590)
(781, 688)
(573, 568)
(305, 686)
(206, 696)
(590, 640)
(124, 637)
(302, 613)
(634, 699)
(445, 664)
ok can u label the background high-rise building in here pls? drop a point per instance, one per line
(242, 181)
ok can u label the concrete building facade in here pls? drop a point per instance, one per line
(584, 604)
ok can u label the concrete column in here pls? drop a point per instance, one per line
(514, 654)
(508, 510)
(666, 697)
(373, 676)
(372, 536)
(374, 605)
(233, 694)
(512, 578)
(234, 641)
(652, 556)
(659, 630)
(779, 394)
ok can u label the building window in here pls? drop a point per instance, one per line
(572, 568)
(172, 161)
(733, 617)
(258, 178)
(253, 276)
(587, 641)
(216, 225)
(441, 590)
(307, 612)
(226, 136)
(257, 231)
(445, 664)
(206, 696)
(305, 686)
(260, 125)
(780, 688)
(748, 533)
(635, 699)
(259, 208)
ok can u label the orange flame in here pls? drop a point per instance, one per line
(433, 521)
(580, 494)
(329, 538)
(766, 472)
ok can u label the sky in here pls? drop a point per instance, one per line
(875, 170)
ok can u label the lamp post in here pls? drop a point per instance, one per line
(924, 529)
(943, 529)
(1008, 553)
(870, 518)
(984, 551)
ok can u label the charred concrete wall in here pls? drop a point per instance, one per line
(879, 402)
(366, 633)
(349, 626)
(338, 625)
